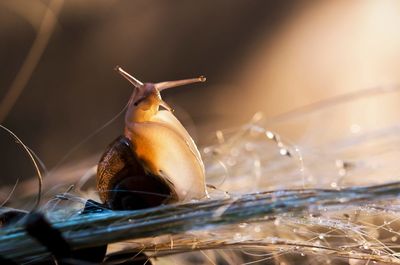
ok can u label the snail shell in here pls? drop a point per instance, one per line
(124, 184)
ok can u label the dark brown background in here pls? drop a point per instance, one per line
(257, 55)
(74, 90)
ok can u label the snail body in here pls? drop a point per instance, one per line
(155, 161)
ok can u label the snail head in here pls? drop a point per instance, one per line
(146, 98)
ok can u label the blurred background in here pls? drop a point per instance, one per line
(57, 83)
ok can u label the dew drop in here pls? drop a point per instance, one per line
(235, 152)
(231, 162)
(270, 135)
(342, 172)
(237, 236)
(249, 147)
(283, 151)
(206, 150)
(243, 225)
(355, 128)
(220, 136)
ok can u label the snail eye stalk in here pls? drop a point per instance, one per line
(169, 84)
(136, 83)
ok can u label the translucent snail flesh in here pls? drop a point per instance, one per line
(155, 161)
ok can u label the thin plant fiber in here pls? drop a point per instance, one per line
(317, 185)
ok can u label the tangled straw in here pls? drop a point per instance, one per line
(333, 196)
(110, 227)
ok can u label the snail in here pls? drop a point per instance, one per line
(155, 161)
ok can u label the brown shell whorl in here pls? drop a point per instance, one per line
(122, 182)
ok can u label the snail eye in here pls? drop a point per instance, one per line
(139, 101)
